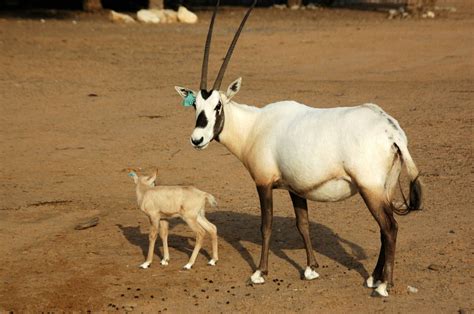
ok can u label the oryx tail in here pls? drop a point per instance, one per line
(415, 197)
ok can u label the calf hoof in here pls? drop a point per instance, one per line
(145, 265)
(212, 262)
(257, 277)
(380, 291)
(164, 262)
(310, 274)
(369, 283)
(187, 266)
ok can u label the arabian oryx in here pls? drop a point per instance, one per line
(322, 155)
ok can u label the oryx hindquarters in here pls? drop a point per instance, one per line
(377, 192)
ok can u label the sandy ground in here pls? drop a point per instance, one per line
(81, 101)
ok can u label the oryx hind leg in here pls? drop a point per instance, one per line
(382, 276)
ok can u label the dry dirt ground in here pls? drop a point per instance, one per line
(81, 101)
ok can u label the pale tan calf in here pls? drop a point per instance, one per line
(162, 202)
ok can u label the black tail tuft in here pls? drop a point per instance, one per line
(416, 194)
(415, 198)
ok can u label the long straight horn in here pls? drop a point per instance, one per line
(205, 60)
(220, 76)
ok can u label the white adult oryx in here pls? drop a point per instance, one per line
(323, 155)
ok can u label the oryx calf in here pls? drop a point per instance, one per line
(162, 202)
(323, 155)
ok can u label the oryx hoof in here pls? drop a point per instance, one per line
(257, 277)
(145, 265)
(369, 283)
(380, 291)
(310, 274)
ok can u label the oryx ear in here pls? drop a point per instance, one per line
(184, 92)
(233, 88)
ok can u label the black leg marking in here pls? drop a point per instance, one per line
(388, 233)
(302, 223)
(378, 271)
(266, 207)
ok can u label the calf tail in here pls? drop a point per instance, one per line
(211, 200)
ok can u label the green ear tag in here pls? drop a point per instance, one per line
(189, 100)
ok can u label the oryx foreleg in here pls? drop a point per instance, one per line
(266, 207)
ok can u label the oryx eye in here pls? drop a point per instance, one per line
(218, 107)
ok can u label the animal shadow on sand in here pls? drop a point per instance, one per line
(135, 236)
(239, 228)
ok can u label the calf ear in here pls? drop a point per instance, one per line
(184, 92)
(233, 88)
(153, 177)
(134, 176)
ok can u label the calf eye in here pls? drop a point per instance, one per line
(218, 107)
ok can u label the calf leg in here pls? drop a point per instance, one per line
(164, 226)
(212, 230)
(200, 233)
(388, 229)
(154, 221)
(302, 223)
(266, 207)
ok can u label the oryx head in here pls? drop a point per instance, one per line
(209, 104)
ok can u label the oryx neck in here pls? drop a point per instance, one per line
(239, 121)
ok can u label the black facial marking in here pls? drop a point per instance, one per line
(201, 121)
(205, 94)
(219, 125)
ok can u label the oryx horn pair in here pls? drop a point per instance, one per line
(217, 83)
